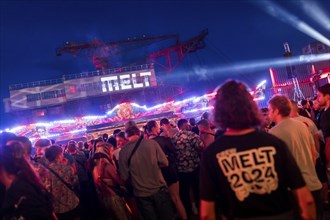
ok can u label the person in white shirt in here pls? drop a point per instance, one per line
(299, 141)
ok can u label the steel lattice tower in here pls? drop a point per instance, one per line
(298, 95)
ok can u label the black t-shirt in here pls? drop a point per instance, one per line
(169, 173)
(249, 174)
(168, 148)
(304, 112)
(195, 130)
(25, 200)
(318, 115)
(81, 165)
(325, 123)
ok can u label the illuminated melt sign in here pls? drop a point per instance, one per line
(103, 84)
(126, 81)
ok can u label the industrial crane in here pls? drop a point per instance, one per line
(103, 54)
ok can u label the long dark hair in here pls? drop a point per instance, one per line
(235, 108)
(94, 145)
(12, 160)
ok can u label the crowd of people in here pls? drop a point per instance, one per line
(238, 162)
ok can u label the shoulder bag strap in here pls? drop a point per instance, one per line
(133, 151)
(69, 186)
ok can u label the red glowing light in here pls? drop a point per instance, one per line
(72, 89)
(324, 75)
(272, 76)
(313, 69)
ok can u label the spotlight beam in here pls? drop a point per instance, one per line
(315, 12)
(278, 12)
(279, 62)
(257, 65)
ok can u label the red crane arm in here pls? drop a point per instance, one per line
(177, 52)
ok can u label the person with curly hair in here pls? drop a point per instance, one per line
(246, 171)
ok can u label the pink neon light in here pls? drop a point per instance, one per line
(324, 75)
(211, 94)
(91, 117)
(199, 109)
(272, 76)
(313, 69)
(259, 99)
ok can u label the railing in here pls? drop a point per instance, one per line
(34, 84)
(80, 75)
(108, 71)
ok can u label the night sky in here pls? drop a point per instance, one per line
(239, 31)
